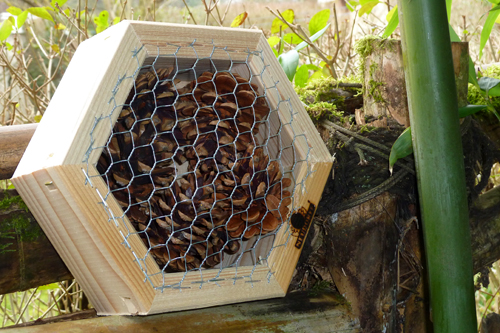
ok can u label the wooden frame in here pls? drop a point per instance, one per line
(58, 180)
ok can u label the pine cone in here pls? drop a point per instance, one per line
(231, 191)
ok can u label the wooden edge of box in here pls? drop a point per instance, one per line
(56, 201)
(238, 42)
(60, 135)
(301, 122)
(80, 247)
(229, 285)
(52, 181)
(115, 234)
(283, 259)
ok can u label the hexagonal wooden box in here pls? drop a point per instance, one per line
(58, 178)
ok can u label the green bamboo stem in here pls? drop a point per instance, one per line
(438, 153)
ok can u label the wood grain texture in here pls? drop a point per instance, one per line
(297, 312)
(80, 247)
(13, 142)
(83, 94)
(165, 38)
(87, 225)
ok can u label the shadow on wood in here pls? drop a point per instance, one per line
(297, 312)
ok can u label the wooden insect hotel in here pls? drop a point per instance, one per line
(175, 168)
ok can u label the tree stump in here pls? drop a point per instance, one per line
(385, 95)
(376, 248)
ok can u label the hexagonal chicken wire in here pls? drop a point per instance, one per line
(175, 168)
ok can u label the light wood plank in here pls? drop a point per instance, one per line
(283, 260)
(224, 291)
(155, 37)
(63, 135)
(90, 243)
(297, 312)
(58, 217)
(107, 235)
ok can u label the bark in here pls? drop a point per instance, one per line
(13, 143)
(27, 258)
(485, 229)
(362, 260)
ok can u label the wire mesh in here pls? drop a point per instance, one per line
(203, 161)
(42, 302)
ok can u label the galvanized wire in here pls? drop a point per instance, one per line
(279, 136)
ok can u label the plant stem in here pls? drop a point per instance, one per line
(437, 146)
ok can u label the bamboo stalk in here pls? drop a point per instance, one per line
(439, 162)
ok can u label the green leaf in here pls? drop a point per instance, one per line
(14, 10)
(488, 26)
(301, 76)
(487, 83)
(316, 76)
(9, 46)
(101, 21)
(319, 21)
(51, 286)
(403, 145)
(6, 28)
(312, 38)
(40, 12)
(289, 62)
(55, 48)
(490, 85)
(239, 20)
(116, 20)
(312, 67)
(453, 35)
(21, 19)
(393, 19)
(292, 38)
(401, 148)
(470, 109)
(288, 15)
(81, 15)
(102, 18)
(273, 41)
(367, 7)
(38, 118)
(59, 26)
(448, 8)
(59, 2)
(351, 5)
(472, 71)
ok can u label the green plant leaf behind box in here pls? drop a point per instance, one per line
(289, 62)
(319, 21)
(288, 15)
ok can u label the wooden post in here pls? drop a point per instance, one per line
(13, 142)
(370, 243)
(27, 259)
(385, 96)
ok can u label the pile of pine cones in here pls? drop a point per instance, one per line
(185, 166)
